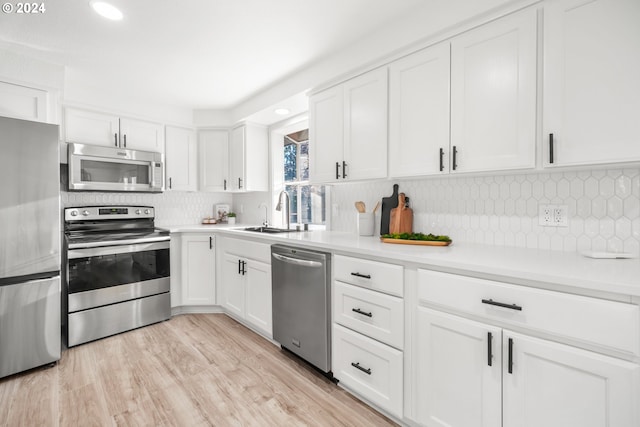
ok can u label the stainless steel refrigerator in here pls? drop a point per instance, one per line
(29, 245)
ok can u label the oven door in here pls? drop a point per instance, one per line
(98, 276)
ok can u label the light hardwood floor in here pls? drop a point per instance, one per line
(193, 370)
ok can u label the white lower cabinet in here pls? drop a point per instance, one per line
(368, 331)
(198, 269)
(245, 282)
(369, 368)
(469, 373)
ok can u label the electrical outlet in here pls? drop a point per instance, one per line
(553, 215)
(545, 215)
(561, 216)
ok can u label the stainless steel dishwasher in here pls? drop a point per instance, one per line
(301, 303)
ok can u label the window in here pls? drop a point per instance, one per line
(308, 202)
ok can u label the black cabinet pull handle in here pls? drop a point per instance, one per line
(125, 141)
(455, 158)
(441, 159)
(337, 170)
(239, 268)
(510, 364)
(115, 137)
(344, 169)
(501, 304)
(225, 185)
(364, 313)
(170, 182)
(489, 350)
(364, 276)
(239, 183)
(550, 148)
(244, 269)
(357, 366)
(210, 242)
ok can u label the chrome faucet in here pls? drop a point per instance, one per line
(287, 208)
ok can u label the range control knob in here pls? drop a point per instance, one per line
(85, 213)
(73, 213)
(147, 211)
(138, 211)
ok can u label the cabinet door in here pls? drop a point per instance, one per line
(493, 95)
(258, 288)
(256, 158)
(198, 269)
(554, 385)
(233, 284)
(214, 160)
(181, 159)
(591, 84)
(23, 102)
(236, 159)
(419, 113)
(88, 127)
(365, 126)
(457, 385)
(141, 135)
(326, 135)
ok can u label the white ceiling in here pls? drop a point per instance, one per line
(197, 54)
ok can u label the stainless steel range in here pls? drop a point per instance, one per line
(117, 271)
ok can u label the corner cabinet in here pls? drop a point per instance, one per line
(249, 158)
(213, 154)
(471, 373)
(245, 282)
(348, 130)
(493, 95)
(97, 128)
(592, 88)
(198, 269)
(181, 152)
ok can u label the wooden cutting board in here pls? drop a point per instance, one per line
(401, 217)
(388, 203)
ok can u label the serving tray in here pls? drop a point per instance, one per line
(415, 242)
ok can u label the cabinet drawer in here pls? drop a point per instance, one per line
(374, 314)
(379, 276)
(247, 249)
(369, 368)
(605, 323)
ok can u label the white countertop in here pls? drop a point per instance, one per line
(566, 271)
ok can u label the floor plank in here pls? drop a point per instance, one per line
(195, 369)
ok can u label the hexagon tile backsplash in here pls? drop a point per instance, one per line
(603, 205)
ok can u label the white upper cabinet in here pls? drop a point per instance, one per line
(96, 128)
(493, 95)
(348, 130)
(22, 102)
(419, 113)
(213, 153)
(365, 126)
(142, 135)
(591, 82)
(249, 158)
(326, 134)
(181, 152)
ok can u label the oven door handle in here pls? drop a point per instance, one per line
(87, 252)
(122, 242)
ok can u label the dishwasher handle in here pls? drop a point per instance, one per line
(296, 261)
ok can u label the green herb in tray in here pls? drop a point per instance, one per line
(417, 236)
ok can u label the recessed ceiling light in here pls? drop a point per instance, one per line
(281, 111)
(106, 10)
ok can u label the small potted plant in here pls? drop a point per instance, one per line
(231, 218)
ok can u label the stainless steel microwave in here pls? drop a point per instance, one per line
(99, 168)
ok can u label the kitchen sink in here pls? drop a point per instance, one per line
(270, 230)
